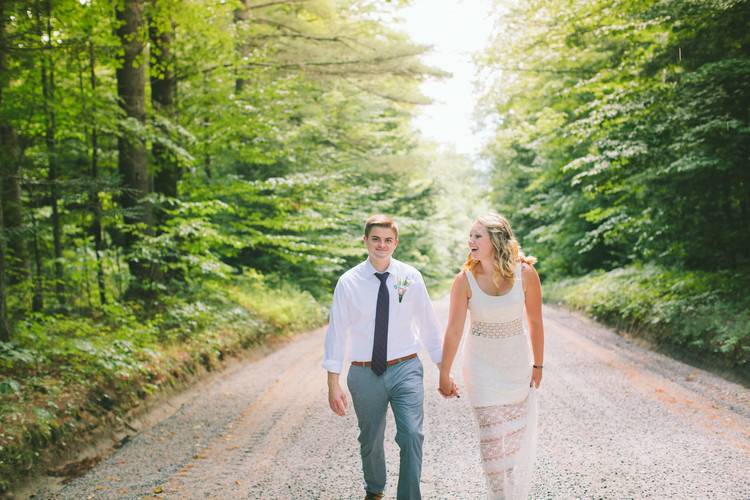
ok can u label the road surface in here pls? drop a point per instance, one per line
(616, 421)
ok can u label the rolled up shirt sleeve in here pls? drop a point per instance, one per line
(430, 332)
(338, 332)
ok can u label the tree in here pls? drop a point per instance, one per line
(622, 131)
(132, 159)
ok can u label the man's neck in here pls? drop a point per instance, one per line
(380, 265)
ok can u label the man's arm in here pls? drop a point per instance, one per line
(427, 323)
(336, 396)
(335, 347)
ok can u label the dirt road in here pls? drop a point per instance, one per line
(617, 421)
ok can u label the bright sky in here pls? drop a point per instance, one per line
(456, 29)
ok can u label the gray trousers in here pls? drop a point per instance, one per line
(402, 386)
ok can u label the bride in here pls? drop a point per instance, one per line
(501, 368)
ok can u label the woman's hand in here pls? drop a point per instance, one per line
(536, 377)
(448, 388)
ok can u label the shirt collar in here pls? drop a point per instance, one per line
(370, 269)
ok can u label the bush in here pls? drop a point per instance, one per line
(701, 312)
(61, 376)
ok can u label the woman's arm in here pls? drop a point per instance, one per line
(453, 332)
(533, 304)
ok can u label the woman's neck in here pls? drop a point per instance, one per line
(484, 267)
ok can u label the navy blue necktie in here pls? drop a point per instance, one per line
(380, 341)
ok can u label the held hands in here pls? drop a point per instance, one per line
(448, 388)
(536, 377)
(337, 400)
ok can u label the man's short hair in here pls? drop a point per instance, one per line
(380, 220)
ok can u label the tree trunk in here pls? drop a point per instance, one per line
(16, 258)
(163, 84)
(37, 301)
(5, 131)
(48, 94)
(241, 15)
(96, 204)
(4, 325)
(132, 161)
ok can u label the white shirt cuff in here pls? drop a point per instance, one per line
(333, 366)
(436, 355)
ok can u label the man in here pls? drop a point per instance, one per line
(382, 311)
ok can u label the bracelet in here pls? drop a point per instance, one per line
(539, 366)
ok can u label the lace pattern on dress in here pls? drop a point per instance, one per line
(497, 330)
(505, 435)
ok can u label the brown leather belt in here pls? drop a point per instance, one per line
(390, 362)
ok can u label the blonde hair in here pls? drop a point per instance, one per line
(505, 248)
(380, 220)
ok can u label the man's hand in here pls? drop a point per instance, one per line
(336, 397)
(448, 388)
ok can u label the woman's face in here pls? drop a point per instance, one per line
(480, 245)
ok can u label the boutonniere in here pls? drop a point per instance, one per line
(402, 284)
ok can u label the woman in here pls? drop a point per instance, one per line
(500, 369)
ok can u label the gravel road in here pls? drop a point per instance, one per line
(616, 421)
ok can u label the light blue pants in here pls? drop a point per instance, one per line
(402, 386)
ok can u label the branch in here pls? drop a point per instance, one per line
(395, 99)
(334, 39)
(321, 64)
(374, 60)
(271, 4)
(549, 70)
(300, 34)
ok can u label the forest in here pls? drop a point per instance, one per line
(622, 157)
(182, 179)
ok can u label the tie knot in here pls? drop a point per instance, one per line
(382, 276)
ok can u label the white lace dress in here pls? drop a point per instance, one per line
(497, 371)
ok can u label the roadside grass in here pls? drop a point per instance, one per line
(702, 317)
(64, 376)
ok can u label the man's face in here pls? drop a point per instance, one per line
(381, 242)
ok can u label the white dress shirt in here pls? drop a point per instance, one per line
(352, 319)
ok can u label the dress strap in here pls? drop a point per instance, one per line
(519, 277)
(472, 282)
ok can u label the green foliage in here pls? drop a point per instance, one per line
(59, 376)
(623, 132)
(290, 124)
(700, 312)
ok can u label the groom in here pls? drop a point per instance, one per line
(382, 311)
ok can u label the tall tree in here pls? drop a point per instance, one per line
(133, 159)
(94, 200)
(47, 74)
(6, 134)
(4, 326)
(163, 88)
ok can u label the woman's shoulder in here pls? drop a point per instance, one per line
(461, 283)
(462, 276)
(527, 269)
(529, 274)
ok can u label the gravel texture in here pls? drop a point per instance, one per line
(616, 421)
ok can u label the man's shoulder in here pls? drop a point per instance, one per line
(351, 273)
(405, 269)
